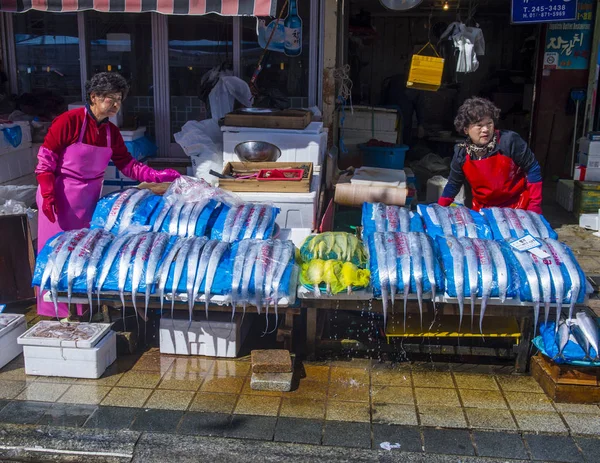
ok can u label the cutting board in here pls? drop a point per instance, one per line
(286, 119)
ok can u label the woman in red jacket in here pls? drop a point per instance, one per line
(72, 161)
(497, 164)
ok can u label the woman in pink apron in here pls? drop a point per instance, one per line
(72, 161)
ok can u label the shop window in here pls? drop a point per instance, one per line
(196, 45)
(47, 52)
(284, 74)
(123, 43)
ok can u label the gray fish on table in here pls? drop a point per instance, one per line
(513, 221)
(156, 252)
(379, 217)
(192, 270)
(404, 217)
(472, 272)
(534, 286)
(264, 223)
(56, 244)
(403, 251)
(180, 261)
(238, 269)
(111, 254)
(541, 227)
(174, 216)
(444, 219)
(249, 266)
(255, 214)
(391, 263)
(558, 281)
(92, 268)
(274, 262)
(286, 255)
(196, 212)
(589, 326)
(80, 256)
(164, 269)
(580, 337)
(240, 221)
(416, 255)
(127, 253)
(457, 220)
(260, 270)
(59, 262)
(207, 251)
(470, 225)
(115, 209)
(485, 262)
(429, 259)
(392, 215)
(384, 276)
(162, 215)
(561, 337)
(559, 251)
(230, 218)
(213, 264)
(129, 208)
(140, 262)
(501, 222)
(501, 267)
(527, 223)
(458, 269)
(184, 219)
(545, 284)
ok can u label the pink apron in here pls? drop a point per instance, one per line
(77, 188)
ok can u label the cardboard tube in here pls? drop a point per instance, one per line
(348, 194)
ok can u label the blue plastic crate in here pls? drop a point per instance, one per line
(387, 157)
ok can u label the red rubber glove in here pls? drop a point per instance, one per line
(535, 197)
(46, 182)
(443, 201)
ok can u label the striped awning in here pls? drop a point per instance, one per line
(175, 7)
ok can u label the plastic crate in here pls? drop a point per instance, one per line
(388, 157)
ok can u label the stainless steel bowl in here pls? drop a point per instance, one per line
(257, 151)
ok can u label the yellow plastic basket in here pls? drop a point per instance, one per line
(425, 71)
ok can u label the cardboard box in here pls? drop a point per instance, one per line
(592, 174)
(254, 185)
(565, 193)
(16, 259)
(589, 161)
(589, 147)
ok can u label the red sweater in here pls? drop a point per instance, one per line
(65, 130)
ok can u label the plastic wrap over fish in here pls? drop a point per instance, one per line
(245, 221)
(457, 221)
(509, 224)
(340, 246)
(569, 344)
(190, 189)
(125, 211)
(379, 217)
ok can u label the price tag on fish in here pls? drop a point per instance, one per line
(531, 244)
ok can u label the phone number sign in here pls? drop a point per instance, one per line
(543, 11)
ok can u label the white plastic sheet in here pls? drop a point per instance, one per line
(202, 141)
(223, 96)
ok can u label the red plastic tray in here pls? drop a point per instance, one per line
(278, 175)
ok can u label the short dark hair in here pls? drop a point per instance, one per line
(104, 83)
(473, 110)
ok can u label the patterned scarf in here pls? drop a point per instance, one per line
(476, 151)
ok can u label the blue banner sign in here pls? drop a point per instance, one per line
(543, 11)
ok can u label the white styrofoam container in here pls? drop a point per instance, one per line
(25, 137)
(216, 336)
(592, 174)
(131, 135)
(16, 163)
(589, 147)
(589, 160)
(365, 118)
(295, 146)
(297, 210)
(9, 347)
(71, 362)
(590, 221)
(32, 337)
(296, 235)
(565, 193)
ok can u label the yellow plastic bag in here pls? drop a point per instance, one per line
(426, 71)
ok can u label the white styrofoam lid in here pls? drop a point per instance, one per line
(312, 128)
(377, 175)
(9, 321)
(57, 334)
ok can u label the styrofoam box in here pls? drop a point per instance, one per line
(592, 175)
(131, 135)
(589, 221)
(296, 235)
(216, 336)
(565, 193)
(364, 118)
(9, 347)
(295, 146)
(17, 163)
(71, 362)
(589, 147)
(589, 160)
(25, 137)
(297, 210)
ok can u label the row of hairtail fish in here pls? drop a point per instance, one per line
(404, 263)
(379, 217)
(151, 263)
(120, 212)
(582, 331)
(508, 224)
